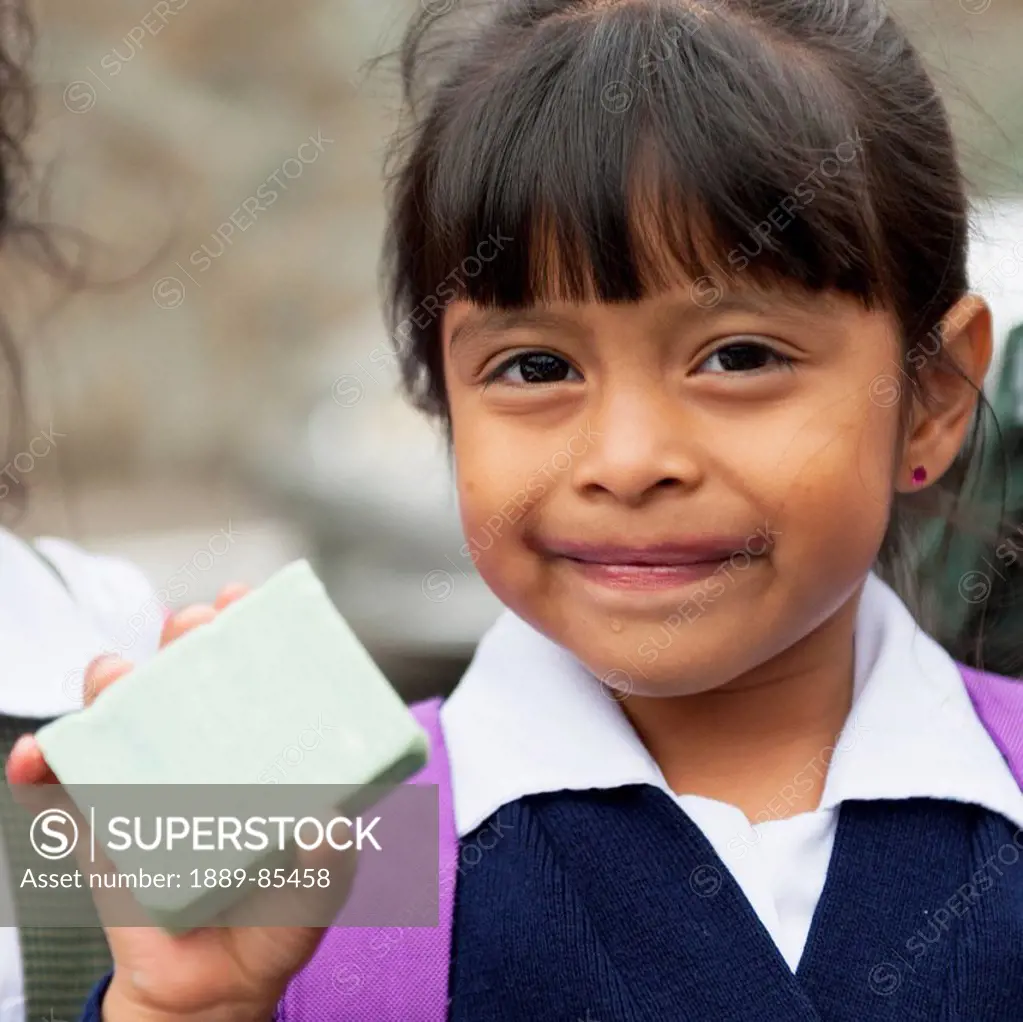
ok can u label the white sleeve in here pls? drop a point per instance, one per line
(114, 593)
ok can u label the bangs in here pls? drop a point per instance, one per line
(614, 152)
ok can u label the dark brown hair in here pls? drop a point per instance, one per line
(18, 224)
(613, 147)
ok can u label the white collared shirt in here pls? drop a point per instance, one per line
(527, 718)
(48, 636)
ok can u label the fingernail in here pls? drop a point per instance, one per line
(101, 662)
(21, 744)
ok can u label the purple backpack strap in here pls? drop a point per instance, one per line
(999, 704)
(357, 974)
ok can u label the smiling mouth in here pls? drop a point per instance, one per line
(646, 576)
(658, 566)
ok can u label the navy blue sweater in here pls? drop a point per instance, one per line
(613, 907)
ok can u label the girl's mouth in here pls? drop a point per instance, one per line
(650, 566)
(646, 576)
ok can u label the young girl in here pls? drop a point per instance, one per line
(686, 283)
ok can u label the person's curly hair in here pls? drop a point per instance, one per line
(19, 226)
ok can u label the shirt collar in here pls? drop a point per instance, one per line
(912, 731)
(528, 718)
(46, 639)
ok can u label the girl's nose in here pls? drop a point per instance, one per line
(643, 444)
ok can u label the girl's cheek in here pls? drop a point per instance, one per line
(489, 522)
(873, 455)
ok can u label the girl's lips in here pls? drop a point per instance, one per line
(645, 576)
(655, 566)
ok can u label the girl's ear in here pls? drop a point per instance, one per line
(942, 417)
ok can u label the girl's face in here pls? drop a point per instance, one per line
(680, 489)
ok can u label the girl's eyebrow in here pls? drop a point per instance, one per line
(497, 320)
(665, 319)
(681, 313)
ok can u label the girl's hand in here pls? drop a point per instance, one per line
(231, 974)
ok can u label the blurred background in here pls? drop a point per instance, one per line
(226, 156)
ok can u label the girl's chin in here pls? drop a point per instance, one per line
(637, 662)
(622, 684)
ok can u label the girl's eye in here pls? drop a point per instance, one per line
(534, 367)
(744, 357)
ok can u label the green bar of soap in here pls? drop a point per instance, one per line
(276, 688)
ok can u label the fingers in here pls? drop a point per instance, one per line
(26, 764)
(230, 594)
(308, 891)
(35, 790)
(185, 620)
(101, 674)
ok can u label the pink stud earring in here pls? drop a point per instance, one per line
(919, 475)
